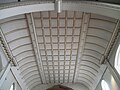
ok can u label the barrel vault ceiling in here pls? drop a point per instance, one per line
(59, 48)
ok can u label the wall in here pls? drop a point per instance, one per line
(3, 58)
(74, 86)
(8, 82)
(7, 74)
(111, 75)
(111, 1)
(3, 62)
(113, 53)
(110, 81)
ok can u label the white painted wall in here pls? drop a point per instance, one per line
(113, 54)
(110, 80)
(3, 62)
(3, 58)
(73, 86)
(6, 75)
(9, 80)
(7, 1)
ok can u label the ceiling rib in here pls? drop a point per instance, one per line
(92, 50)
(95, 44)
(84, 28)
(98, 28)
(42, 27)
(19, 29)
(33, 33)
(84, 60)
(26, 68)
(18, 39)
(7, 48)
(86, 79)
(85, 83)
(110, 44)
(25, 75)
(97, 37)
(85, 70)
(51, 45)
(66, 15)
(27, 82)
(25, 72)
(25, 58)
(58, 29)
(92, 56)
(20, 46)
(74, 18)
(90, 67)
(26, 62)
(34, 76)
(33, 81)
(24, 52)
(86, 75)
(33, 84)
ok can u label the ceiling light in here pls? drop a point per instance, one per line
(58, 6)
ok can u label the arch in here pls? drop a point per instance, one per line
(110, 10)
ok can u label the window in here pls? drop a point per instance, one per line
(12, 86)
(104, 85)
(117, 60)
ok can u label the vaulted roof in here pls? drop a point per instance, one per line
(66, 47)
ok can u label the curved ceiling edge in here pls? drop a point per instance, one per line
(110, 10)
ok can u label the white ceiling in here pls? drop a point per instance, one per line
(59, 48)
(108, 1)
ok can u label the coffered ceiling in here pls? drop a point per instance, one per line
(66, 47)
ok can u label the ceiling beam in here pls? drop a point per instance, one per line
(34, 39)
(111, 42)
(84, 28)
(58, 37)
(50, 27)
(45, 47)
(66, 22)
(6, 48)
(73, 31)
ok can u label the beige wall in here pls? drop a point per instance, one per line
(9, 81)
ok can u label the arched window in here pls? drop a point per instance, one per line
(117, 60)
(104, 85)
(12, 86)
